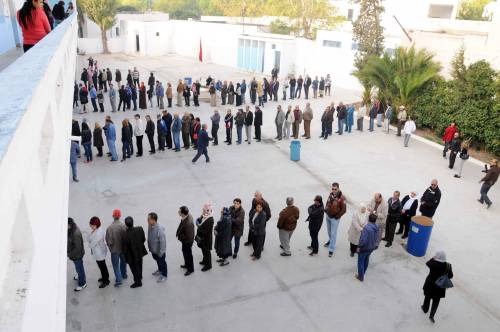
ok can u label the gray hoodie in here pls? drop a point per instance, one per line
(157, 242)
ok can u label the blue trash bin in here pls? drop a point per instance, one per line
(295, 150)
(419, 236)
(188, 80)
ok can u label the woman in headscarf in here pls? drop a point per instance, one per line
(223, 236)
(438, 267)
(142, 97)
(359, 220)
(316, 213)
(205, 224)
(409, 210)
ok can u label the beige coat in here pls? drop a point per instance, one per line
(381, 216)
(308, 114)
(359, 220)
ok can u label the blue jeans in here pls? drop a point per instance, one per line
(162, 264)
(177, 140)
(119, 266)
(341, 126)
(236, 244)
(363, 260)
(239, 133)
(332, 225)
(112, 149)
(485, 187)
(88, 151)
(348, 127)
(73, 170)
(372, 120)
(126, 150)
(80, 270)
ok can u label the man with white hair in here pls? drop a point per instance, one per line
(287, 222)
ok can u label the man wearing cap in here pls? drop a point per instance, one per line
(115, 235)
(488, 181)
(402, 115)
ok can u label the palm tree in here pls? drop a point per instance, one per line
(103, 14)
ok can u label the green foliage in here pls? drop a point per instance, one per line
(102, 13)
(280, 27)
(133, 5)
(179, 9)
(472, 9)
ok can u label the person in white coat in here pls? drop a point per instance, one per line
(378, 207)
(98, 249)
(289, 119)
(359, 220)
(408, 129)
(139, 133)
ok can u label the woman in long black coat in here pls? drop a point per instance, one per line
(258, 229)
(97, 137)
(315, 218)
(204, 238)
(438, 267)
(223, 235)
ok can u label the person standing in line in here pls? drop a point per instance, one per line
(239, 119)
(321, 87)
(293, 83)
(257, 123)
(409, 210)
(135, 77)
(126, 140)
(455, 146)
(329, 120)
(409, 128)
(300, 82)
(109, 77)
(150, 133)
(359, 220)
(287, 222)
(128, 96)
(130, 80)
(438, 267)
(186, 94)
(253, 90)
(388, 117)
(350, 118)
(185, 235)
(93, 98)
(223, 234)
(274, 72)
(334, 210)
(378, 207)
(160, 95)
(368, 242)
(83, 95)
(73, 158)
(97, 139)
(464, 155)
(161, 129)
(204, 239)
(167, 119)
(230, 93)
(228, 121)
(276, 89)
(285, 87)
(112, 97)
(87, 141)
(289, 120)
(110, 133)
(142, 97)
(237, 224)
(215, 118)
(115, 235)
(139, 134)
(260, 94)
(449, 133)
(393, 217)
(133, 91)
(134, 250)
(278, 121)
(380, 115)
(176, 131)
(100, 100)
(315, 84)
(328, 85)
(202, 144)
(151, 82)
(169, 94)
(316, 213)
(98, 250)
(248, 124)
(157, 245)
(257, 199)
(33, 22)
(195, 131)
(307, 84)
(360, 116)
(196, 88)
(258, 230)
(118, 77)
(488, 181)
(373, 114)
(341, 116)
(307, 116)
(76, 251)
(121, 98)
(238, 94)
(223, 93)
(157, 93)
(243, 88)
(75, 95)
(297, 116)
(402, 115)
(186, 127)
(430, 200)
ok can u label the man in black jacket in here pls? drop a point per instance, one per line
(307, 84)
(167, 119)
(248, 124)
(341, 116)
(253, 91)
(430, 200)
(134, 250)
(489, 180)
(76, 251)
(393, 217)
(455, 147)
(150, 132)
(237, 224)
(185, 234)
(265, 207)
(151, 81)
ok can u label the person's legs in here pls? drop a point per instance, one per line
(139, 144)
(485, 187)
(353, 248)
(314, 240)
(334, 224)
(390, 228)
(207, 258)
(115, 261)
(453, 156)
(123, 266)
(407, 139)
(238, 133)
(188, 256)
(73, 171)
(257, 133)
(361, 264)
(426, 304)
(445, 149)
(204, 151)
(80, 270)
(236, 244)
(162, 265)
(434, 307)
(104, 271)
(198, 155)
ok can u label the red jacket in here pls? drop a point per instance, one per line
(449, 133)
(37, 29)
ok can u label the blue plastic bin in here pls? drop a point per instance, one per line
(188, 80)
(419, 236)
(295, 150)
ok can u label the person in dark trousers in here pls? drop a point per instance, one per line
(228, 121)
(438, 267)
(115, 234)
(223, 235)
(161, 129)
(215, 118)
(151, 82)
(185, 234)
(430, 200)
(265, 206)
(167, 119)
(409, 206)
(150, 133)
(449, 134)
(134, 250)
(75, 95)
(455, 146)
(393, 217)
(76, 251)
(368, 242)
(307, 84)
(202, 144)
(204, 237)
(316, 213)
(98, 250)
(257, 123)
(237, 224)
(157, 245)
(97, 139)
(488, 181)
(258, 229)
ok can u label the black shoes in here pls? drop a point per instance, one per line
(206, 268)
(136, 284)
(104, 284)
(284, 254)
(188, 273)
(247, 243)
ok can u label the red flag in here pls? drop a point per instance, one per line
(200, 56)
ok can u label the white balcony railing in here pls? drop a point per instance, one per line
(36, 93)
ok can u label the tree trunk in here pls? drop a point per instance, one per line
(104, 40)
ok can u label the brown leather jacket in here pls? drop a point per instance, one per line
(335, 206)
(288, 218)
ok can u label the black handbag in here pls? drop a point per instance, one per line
(444, 281)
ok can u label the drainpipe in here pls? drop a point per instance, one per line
(13, 20)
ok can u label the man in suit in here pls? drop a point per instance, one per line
(202, 144)
(185, 234)
(134, 250)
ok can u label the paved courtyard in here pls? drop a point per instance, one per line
(297, 293)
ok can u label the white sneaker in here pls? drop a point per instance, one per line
(79, 288)
(156, 273)
(161, 279)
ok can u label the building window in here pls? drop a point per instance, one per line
(117, 31)
(354, 46)
(157, 34)
(332, 43)
(350, 14)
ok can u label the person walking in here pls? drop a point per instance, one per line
(488, 181)
(378, 207)
(110, 133)
(359, 220)
(430, 200)
(297, 116)
(73, 158)
(257, 123)
(157, 245)
(307, 116)
(316, 213)
(335, 208)
(393, 217)
(205, 224)
(449, 134)
(215, 118)
(409, 210)
(287, 222)
(368, 242)
(98, 250)
(139, 133)
(202, 144)
(248, 121)
(438, 267)
(98, 142)
(150, 133)
(87, 141)
(463, 156)
(265, 206)
(237, 224)
(278, 121)
(402, 116)
(408, 130)
(115, 236)
(185, 235)
(223, 235)
(258, 230)
(228, 122)
(134, 250)
(455, 146)
(76, 251)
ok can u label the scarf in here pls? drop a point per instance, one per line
(409, 203)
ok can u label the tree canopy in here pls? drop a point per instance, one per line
(103, 14)
(472, 9)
